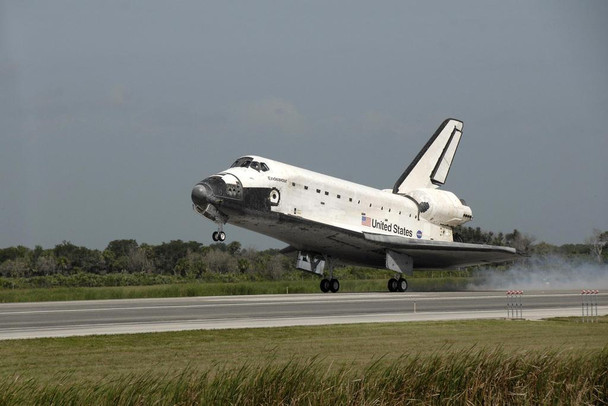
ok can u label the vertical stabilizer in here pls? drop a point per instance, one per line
(431, 166)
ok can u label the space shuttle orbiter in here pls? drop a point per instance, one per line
(324, 218)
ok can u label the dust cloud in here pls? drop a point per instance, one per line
(543, 273)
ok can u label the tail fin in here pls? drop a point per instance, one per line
(431, 166)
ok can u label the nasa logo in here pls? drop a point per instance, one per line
(419, 234)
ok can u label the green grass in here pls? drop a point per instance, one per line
(218, 289)
(495, 361)
(476, 362)
(466, 377)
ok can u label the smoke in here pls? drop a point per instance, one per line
(543, 273)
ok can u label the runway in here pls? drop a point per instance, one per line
(58, 319)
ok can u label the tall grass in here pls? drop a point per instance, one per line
(219, 289)
(464, 377)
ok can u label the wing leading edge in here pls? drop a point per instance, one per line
(441, 255)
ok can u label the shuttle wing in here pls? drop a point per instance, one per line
(369, 249)
(441, 255)
(431, 166)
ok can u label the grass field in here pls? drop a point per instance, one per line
(491, 361)
(219, 289)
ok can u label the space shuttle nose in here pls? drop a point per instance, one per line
(201, 195)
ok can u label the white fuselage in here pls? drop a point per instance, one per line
(324, 218)
(320, 216)
(335, 202)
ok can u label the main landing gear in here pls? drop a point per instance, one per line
(397, 284)
(329, 285)
(315, 263)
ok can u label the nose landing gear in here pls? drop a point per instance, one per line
(219, 236)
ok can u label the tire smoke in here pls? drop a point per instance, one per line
(543, 273)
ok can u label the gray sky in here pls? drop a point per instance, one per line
(111, 111)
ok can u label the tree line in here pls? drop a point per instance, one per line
(195, 260)
(526, 244)
(176, 258)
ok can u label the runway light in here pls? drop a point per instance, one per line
(589, 305)
(515, 304)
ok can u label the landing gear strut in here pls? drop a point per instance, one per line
(397, 284)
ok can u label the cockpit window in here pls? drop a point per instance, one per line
(248, 162)
(242, 163)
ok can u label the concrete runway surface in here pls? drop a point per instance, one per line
(58, 319)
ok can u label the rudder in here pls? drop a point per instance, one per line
(431, 166)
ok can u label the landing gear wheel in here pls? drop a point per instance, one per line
(401, 285)
(324, 285)
(334, 285)
(219, 236)
(393, 284)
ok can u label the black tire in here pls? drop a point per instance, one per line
(324, 285)
(215, 236)
(392, 285)
(334, 285)
(221, 236)
(401, 285)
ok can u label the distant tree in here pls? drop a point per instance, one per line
(573, 250)
(498, 239)
(247, 260)
(221, 261)
(244, 265)
(167, 255)
(597, 242)
(121, 248)
(543, 248)
(78, 258)
(37, 253)
(276, 267)
(476, 236)
(67, 250)
(16, 268)
(522, 243)
(46, 265)
(127, 256)
(137, 261)
(14, 253)
(62, 263)
(234, 248)
(219, 246)
(193, 265)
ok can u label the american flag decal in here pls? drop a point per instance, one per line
(366, 221)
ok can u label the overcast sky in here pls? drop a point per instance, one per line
(110, 111)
